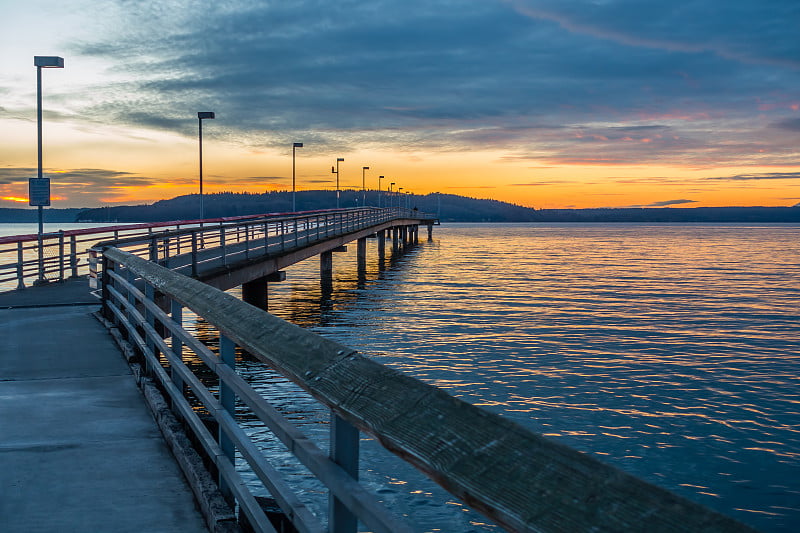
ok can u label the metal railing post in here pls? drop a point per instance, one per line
(344, 452)
(177, 346)
(73, 255)
(40, 246)
(194, 254)
(149, 294)
(223, 246)
(227, 355)
(108, 266)
(266, 238)
(130, 277)
(153, 250)
(61, 255)
(20, 267)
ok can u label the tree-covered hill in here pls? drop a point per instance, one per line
(448, 207)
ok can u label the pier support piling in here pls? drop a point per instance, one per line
(326, 266)
(381, 244)
(362, 254)
(256, 292)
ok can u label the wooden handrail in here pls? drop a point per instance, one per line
(519, 479)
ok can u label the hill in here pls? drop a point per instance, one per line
(452, 208)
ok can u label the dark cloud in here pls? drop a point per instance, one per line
(753, 31)
(450, 74)
(98, 179)
(759, 177)
(539, 183)
(259, 179)
(791, 124)
(666, 203)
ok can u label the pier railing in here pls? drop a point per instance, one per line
(59, 255)
(197, 250)
(27, 260)
(519, 479)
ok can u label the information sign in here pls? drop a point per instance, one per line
(39, 191)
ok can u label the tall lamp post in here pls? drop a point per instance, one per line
(363, 186)
(379, 190)
(294, 202)
(200, 116)
(338, 160)
(399, 196)
(39, 187)
(389, 201)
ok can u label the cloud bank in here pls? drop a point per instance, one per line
(581, 82)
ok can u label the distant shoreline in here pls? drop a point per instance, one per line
(447, 207)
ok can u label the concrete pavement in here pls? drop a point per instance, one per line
(79, 450)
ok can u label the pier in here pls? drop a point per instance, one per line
(76, 390)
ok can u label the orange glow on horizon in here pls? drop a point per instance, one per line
(14, 199)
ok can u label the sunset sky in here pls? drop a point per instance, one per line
(544, 103)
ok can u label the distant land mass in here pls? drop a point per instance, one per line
(447, 207)
(30, 215)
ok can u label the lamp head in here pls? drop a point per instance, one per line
(48, 61)
(297, 145)
(205, 114)
(340, 158)
(365, 168)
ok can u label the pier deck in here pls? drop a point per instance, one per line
(79, 450)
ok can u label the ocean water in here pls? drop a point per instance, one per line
(670, 351)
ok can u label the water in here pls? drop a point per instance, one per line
(8, 229)
(670, 351)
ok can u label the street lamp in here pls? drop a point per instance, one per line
(39, 188)
(294, 147)
(363, 186)
(379, 190)
(200, 116)
(338, 159)
(399, 196)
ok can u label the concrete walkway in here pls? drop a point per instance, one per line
(79, 450)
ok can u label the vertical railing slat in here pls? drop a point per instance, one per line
(344, 452)
(227, 355)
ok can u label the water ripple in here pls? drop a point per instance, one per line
(668, 350)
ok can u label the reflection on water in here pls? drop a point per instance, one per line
(667, 350)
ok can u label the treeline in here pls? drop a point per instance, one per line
(449, 207)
